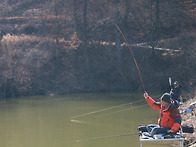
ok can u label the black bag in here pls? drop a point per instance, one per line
(142, 129)
(187, 128)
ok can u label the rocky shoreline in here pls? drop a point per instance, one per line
(188, 113)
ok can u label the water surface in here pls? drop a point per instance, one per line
(61, 121)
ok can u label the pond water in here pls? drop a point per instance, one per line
(62, 121)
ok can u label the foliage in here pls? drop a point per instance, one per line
(73, 46)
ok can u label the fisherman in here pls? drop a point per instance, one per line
(170, 119)
(176, 91)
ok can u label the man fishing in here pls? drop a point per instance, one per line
(169, 120)
(176, 91)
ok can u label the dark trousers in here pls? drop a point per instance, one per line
(156, 129)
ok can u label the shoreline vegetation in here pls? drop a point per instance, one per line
(56, 48)
(29, 67)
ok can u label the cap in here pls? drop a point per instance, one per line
(166, 97)
(176, 83)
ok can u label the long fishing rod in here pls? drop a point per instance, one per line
(170, 81)
(106, 137)
(102, 9)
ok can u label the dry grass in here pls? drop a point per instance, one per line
(13, 39)
(189, 118)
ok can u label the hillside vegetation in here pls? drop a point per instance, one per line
(58, 46)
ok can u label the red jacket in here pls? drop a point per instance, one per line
(169, 117)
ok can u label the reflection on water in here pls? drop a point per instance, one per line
(60, 121)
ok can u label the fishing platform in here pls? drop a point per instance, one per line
(160, 138)
(168, 138)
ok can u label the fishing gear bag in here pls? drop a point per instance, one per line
(142, 129)
(188, 128)
(185, 128)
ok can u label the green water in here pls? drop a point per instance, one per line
(61, 121)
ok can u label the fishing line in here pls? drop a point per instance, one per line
(124, 40)
(89, 123)
(73, 119)
(92, 112)
(132, 108)
(106, 137)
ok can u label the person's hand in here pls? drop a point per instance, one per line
(170, 131)
(146, 95)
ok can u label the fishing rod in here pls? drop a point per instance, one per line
(170, 81)
(102, 9)
(106, 137)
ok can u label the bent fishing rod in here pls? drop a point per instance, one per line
(107, 137)
(118, 28)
